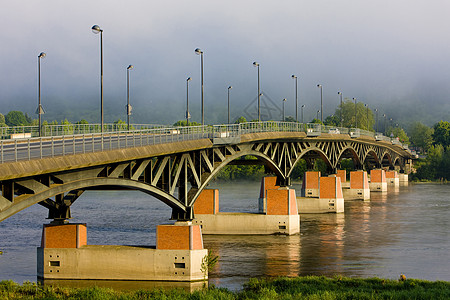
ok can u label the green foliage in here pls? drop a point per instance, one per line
(16, 118)
(208, 262)
(317, 121)
(240, 120)
(2, 118)
(299, 169)
(441, 133)
(183, 123)
(308, 287)
(347, 111)
(289, 119)
(347, 164)
(82, 121)
(321, 166)
(398, 132)
(332, 120)
(249, 172)
(421, 136)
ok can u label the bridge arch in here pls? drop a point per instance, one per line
(354, 155)
(94, 182)
(318, 151)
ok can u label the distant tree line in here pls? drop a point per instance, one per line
(435, 142)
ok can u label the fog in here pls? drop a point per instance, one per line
(393, 55)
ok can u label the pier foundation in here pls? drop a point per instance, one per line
(378, 181)
(358, 188)
(330, 198)
(392, 178)
(280, 215)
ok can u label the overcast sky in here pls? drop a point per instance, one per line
(387, 53)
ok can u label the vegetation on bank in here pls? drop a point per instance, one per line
(309, 287)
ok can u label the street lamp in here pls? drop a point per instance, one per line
(229, 88)
(367, 105)
(187, 101)
(130, 67)
(96, 29)
(284, 100)
(198, 51)
(303, 106)
(340, 110)
(296, 97)
(385, 131)
(356, 120)
(318, 114)
(40, 109)
(321, 102)
(376, 123)
(259, 94)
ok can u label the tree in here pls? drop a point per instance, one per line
(332, 120)
(421, 136)
(16, 118)
(441, 133)
(2, 118)
(398, 132)
(183, 123)
(316, 121)
(289, 119)
(348, 115)
(240, 120)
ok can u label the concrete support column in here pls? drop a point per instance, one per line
(330, 198)
(64, 254)
(267, 183)
(392, 178)
(403, 179)
(311, 184)
(359, 186)
(342, 174)
(278, 213)
(378, 181)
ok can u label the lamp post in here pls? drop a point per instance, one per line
(40, 109)
(376, 122)
(130, 67)
(198, 51)
(296, 97)
(321, 103)
(340, 110)
(284, 100)
(318, 114)
(187, 101)
(229, 88)
(96, 29)
(356, 116)
(259, 94)
(384, 115)
(367, 105)
(303, 106)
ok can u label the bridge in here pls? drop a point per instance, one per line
(174, 164)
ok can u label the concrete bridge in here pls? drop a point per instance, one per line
(174, 164)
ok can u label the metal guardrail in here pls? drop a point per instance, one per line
(40, 147)
(69, 129)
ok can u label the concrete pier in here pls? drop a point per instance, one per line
(280, 214)
(330, 198)
(358, 187)
(403, 179)
(64, 254)
(392, 178)
(342, 174)
(310, 185)
(267, 183)
(378, 181)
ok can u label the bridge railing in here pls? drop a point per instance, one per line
(39, 147)
(15, 132)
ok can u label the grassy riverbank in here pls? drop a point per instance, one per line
(311, 287)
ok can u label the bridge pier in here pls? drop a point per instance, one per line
(378, 181)
(64, 254)
(330, 198)
(310, 184)
(392, 178)
(278, 213)
(403, 179)
(358, 187)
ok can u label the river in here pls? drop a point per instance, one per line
(402, 231)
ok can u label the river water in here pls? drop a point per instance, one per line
(402, 231)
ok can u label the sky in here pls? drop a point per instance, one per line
(391, 54)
